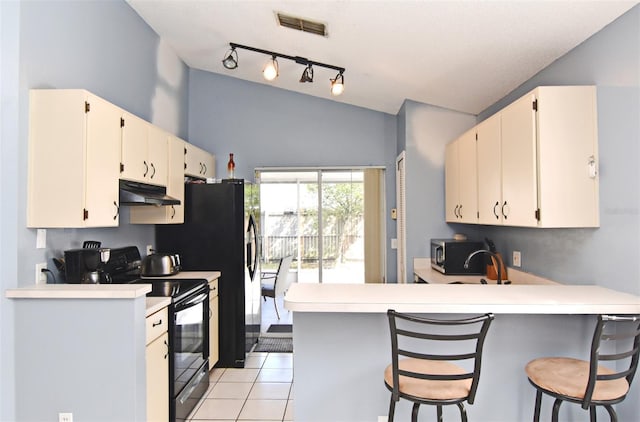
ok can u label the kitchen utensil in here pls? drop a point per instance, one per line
(491, 245)
(94, 264)
(160, 264)
(59, 263)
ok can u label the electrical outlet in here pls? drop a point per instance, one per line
(65, 417)
(517, 259)
(394, 243)
(149, 249)
(41, 277)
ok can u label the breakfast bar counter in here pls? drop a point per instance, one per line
(342, 345)
(459, 298)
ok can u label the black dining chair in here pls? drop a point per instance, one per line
(275, 283)
(441, 363)
(616, 342)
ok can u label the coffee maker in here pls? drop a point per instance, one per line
(86, 265)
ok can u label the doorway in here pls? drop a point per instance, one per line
(318, 217)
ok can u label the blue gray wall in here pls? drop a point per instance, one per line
(607, 255)
(265, 126)
(427, 130)
(101, 46)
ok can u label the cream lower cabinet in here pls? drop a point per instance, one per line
(157, 363)
(214, 331)
(74, 155)
(171, 214)
(198, 162)
(461, 198)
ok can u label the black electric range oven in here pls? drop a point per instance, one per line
(188, 341)
(188, 328)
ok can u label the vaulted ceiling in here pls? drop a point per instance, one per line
(460, 54)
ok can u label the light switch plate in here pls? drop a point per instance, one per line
(41, 238)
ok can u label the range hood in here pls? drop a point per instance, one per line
(135, 193)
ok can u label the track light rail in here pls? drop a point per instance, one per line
(297, 59)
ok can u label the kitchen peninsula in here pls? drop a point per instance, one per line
(342, 345)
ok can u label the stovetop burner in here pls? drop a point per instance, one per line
(176, 288)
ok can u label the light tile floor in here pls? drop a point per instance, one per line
(261, 391)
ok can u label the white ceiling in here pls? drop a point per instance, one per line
(459, 54)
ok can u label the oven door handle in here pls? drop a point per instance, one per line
(194, 383)
(194, 301)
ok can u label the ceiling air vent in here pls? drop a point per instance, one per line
(302, 24)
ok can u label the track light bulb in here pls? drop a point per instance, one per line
(337, 85)
(231, 62)
(270, 71)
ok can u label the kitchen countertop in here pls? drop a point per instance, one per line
(452, 298)
(154, 304)
(79, 291)
(432, 276)
(105, 291)
(422, 268)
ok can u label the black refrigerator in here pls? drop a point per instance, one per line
(220, 234)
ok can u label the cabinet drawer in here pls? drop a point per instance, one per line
(213, 288)
(157, 324)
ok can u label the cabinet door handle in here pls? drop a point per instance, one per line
(494, 210)
(166, 344)
(503, 207)
(460, 211)
(205, 169)
(155, 324)
(117, 210)
(173, 214)
(201, 167)
(455, 211)
(146, 169)
(154, 170)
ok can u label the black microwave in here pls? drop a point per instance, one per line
(448, 257)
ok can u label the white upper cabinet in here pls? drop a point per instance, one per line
(198, 162)
(460, 180)
(519, 169)
(144, 151)
(74, 156)
(568, 157)
(537, 161)
(172, 214)
(489, 171)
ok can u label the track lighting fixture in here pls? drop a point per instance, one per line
(271, 71)
(307, 74)
(337, 84)
(231, 62)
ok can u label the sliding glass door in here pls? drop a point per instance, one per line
(318, 217)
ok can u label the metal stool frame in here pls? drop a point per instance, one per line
(478, 334)
(602, 334)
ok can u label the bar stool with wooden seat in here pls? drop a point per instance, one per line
(441, 364)
(616, 340)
